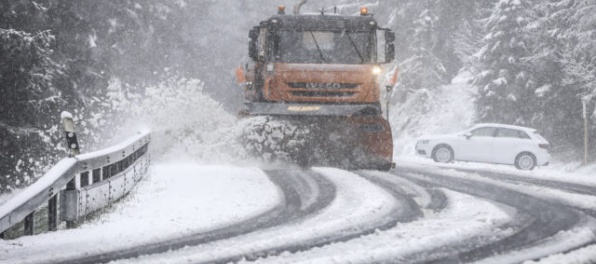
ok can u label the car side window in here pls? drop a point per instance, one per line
(483, 132)
(523, 135)
(511, 133)
(508, 133)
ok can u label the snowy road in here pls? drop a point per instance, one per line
(419, 212)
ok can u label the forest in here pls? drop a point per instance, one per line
(533, 62)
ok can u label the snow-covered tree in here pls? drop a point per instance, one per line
(505, 81)
(580, 59)
(423, 69)
(556, 105)
(28, 100)
(60, 55)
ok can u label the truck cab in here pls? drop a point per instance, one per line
(316, 59)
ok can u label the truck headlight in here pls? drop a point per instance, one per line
(376, 70)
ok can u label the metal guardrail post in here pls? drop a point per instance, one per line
(53, 213)
(586, 135)
(29, 224)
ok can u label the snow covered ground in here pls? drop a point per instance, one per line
(582, 234)
(358, 204)
(464, 218)
(173, 201)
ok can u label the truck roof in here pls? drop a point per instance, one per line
(322, 22)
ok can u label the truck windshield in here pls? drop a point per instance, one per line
(325, 47)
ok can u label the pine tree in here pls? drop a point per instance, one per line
(27, 102)
(505, 83)
(580, 59)
(423, 69)
(556, 104)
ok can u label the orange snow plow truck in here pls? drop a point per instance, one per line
(322, 73)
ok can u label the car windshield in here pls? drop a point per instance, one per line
(325, 47)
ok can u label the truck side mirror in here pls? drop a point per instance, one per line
(389, 52)
(253, 34)
(252, 50)
(389, 36)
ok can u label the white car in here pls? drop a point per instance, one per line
(492, 143)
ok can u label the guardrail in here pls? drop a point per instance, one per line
(77, 186)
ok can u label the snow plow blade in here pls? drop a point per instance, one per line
(322, 135)
(289, 109)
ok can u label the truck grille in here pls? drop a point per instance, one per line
(304, 85)
(322, 94)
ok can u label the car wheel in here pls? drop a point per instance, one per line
(442, 154)
(525, 161)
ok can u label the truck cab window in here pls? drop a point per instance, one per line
(297, 46)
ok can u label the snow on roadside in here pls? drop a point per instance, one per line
(580, 256)
(448, 109)
(464, 218)
(175, 200)
(584, 177)
(560, 242)
(568, 198)
(358, 204)
(578, 236)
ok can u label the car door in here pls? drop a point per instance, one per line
(507, 145)
(476, 145)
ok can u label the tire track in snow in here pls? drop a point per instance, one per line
(568, 187)
(359, 208)
(548, 218)
(305, 194)
(441, 226)
(409, 212)
(428, 198)
(443, 252)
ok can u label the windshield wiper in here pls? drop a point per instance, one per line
(318, 48)
(356, 48)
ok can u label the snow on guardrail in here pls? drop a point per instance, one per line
(77, 186)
